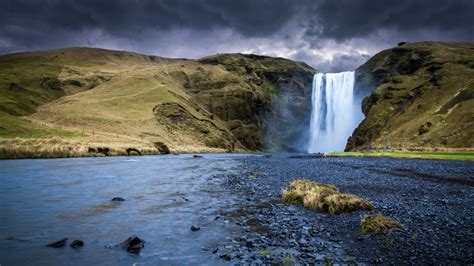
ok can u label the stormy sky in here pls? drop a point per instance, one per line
(327, 34)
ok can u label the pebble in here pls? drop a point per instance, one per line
(309, 236)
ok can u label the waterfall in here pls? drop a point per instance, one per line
(335, 112)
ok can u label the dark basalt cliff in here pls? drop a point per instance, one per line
(420, 97)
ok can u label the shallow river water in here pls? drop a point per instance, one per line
(42, 201)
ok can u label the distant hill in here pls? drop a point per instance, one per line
(87, 101)
(421, 97)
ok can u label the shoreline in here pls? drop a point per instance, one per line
(42, 153)
(98, 155)
(428, 155)
(51, 148)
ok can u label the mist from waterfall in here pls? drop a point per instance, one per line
(335, 112)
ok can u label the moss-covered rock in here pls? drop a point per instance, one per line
(317, 196)
(377, 223)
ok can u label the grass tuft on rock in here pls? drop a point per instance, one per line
(293, 196)
(288, 261)
(264, 252)
(304, 185)
(317, 196)
(378, 223)
(300, 190)
(339, 203)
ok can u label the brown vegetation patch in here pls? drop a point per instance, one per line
(378, 223)
(317, 196)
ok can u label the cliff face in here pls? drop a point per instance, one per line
(270, 108)
(86, 98)
(421, 97)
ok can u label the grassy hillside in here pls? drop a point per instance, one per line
(422, 98)
(79, 101)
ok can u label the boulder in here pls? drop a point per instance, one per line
(77, 244)
(133, 244)
(58, 244)
(118, 199)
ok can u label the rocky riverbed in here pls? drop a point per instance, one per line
(432, 199)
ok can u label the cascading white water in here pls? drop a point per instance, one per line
(335, 111)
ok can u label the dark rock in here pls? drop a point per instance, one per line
(118, 199)
(133, 151)
(51, 83)
(424, 128)
(197, 156)
(195, 228)
(133, 244)
(73, 82)
(249, 244)
(15, 87)
(104, 150)
(225, 257)
(58, 244)
(77, 244)
(162, 148)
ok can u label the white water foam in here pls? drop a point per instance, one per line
(335, 111)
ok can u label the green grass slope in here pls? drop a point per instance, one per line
(422, 98)
(77, 101)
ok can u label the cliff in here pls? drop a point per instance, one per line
(420, 97)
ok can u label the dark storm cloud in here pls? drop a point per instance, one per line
(123, 16)
(346, 19)
(330, 35)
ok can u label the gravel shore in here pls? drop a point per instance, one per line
(432, 199)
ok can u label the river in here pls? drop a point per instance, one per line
(42, 201)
